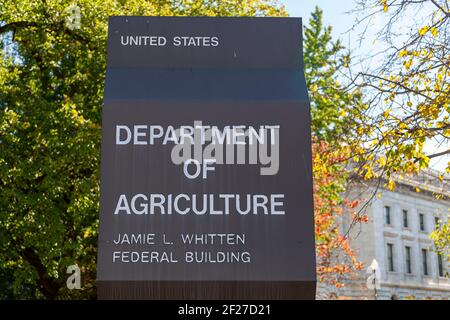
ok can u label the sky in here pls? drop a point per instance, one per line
(338, 14)
(333, 11)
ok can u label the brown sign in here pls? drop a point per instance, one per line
(206, 187)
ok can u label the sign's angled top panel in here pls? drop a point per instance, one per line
(202, 58)
(204, 42)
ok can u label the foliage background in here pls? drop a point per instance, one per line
(51, 91)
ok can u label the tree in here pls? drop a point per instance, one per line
(441, 238)
(334, 112)
(410, 100)
(51, 78)
(409, 89)
(333, 107)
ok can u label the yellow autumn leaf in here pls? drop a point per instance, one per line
(408, 64)
(391, 185)
(423, 30)
(385, 5)
(74, 112)
(402, 53)
(368, 175)
(382, 161)
(402, 126)
(434, 32)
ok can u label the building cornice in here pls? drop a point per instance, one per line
(434, 286)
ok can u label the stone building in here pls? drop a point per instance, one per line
(397, 237)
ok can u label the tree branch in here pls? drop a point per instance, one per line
(47, 285)
(440, 8)
(435, 155)
(13, 26)
(55, 27)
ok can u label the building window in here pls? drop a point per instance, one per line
(405, 218)
(390, 252)
(387, 215)
(440, 265)
(408, 259)
(422, 221)
(425, 261)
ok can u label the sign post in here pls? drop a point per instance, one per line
(206, 186)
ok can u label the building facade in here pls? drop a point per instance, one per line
(397, 237)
